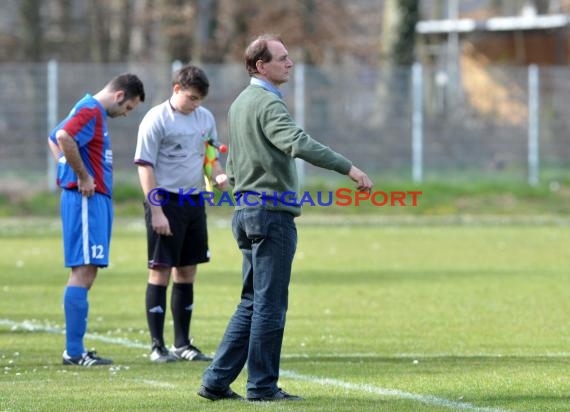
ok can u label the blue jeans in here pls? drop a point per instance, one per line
(267, 240)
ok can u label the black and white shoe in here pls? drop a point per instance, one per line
(189, 353)
(87, 359)
(160, 354)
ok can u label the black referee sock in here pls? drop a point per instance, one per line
(156, 311)
(181, 304)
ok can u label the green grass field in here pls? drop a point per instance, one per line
(381, 318)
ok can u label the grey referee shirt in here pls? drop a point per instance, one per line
(174, 144)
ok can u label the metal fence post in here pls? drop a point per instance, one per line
(417, 123)
(533, 125)
(300, 114)
(52, 106)
(176, 65)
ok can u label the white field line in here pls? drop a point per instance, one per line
(425, 399)
(38, 327)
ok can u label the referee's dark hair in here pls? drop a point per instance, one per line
(192, 76)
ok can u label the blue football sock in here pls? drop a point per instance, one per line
(76, 309)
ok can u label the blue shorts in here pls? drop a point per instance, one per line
(87, 223)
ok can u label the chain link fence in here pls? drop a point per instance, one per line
(390, 123)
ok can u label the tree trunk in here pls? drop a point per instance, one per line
(177, 28)
(398, 46)
(125, 27)
(99, 28)
(32, 30)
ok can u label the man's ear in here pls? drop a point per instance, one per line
(119, 96)
(259, 67)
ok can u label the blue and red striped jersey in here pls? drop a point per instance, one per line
(87, 124)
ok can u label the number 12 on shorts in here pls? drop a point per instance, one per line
(97, 252)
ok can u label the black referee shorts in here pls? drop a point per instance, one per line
(188, 244)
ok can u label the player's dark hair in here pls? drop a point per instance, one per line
(258, 50)
(192, 76)
(128, 83)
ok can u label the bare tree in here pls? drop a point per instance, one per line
(402, 48)
(123, 49)
(398, 43)
(145, 28)
(177, 21)
(205, 47)
(166, 30)
(314, 27)
(399, 31)
(32, 39)
(100, 37)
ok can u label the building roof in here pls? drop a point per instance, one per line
(525, 22)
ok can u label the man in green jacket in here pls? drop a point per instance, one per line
(264, 142)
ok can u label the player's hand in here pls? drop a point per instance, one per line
(86, 185)
(222, 181)
(363, 182)
(160, 222)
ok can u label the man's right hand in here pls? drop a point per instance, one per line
(363, 182)
(160, 222)
(86, 185)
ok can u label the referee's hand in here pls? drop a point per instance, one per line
(160, 223)
(222, 182)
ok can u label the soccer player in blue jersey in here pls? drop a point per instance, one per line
(82, 148)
